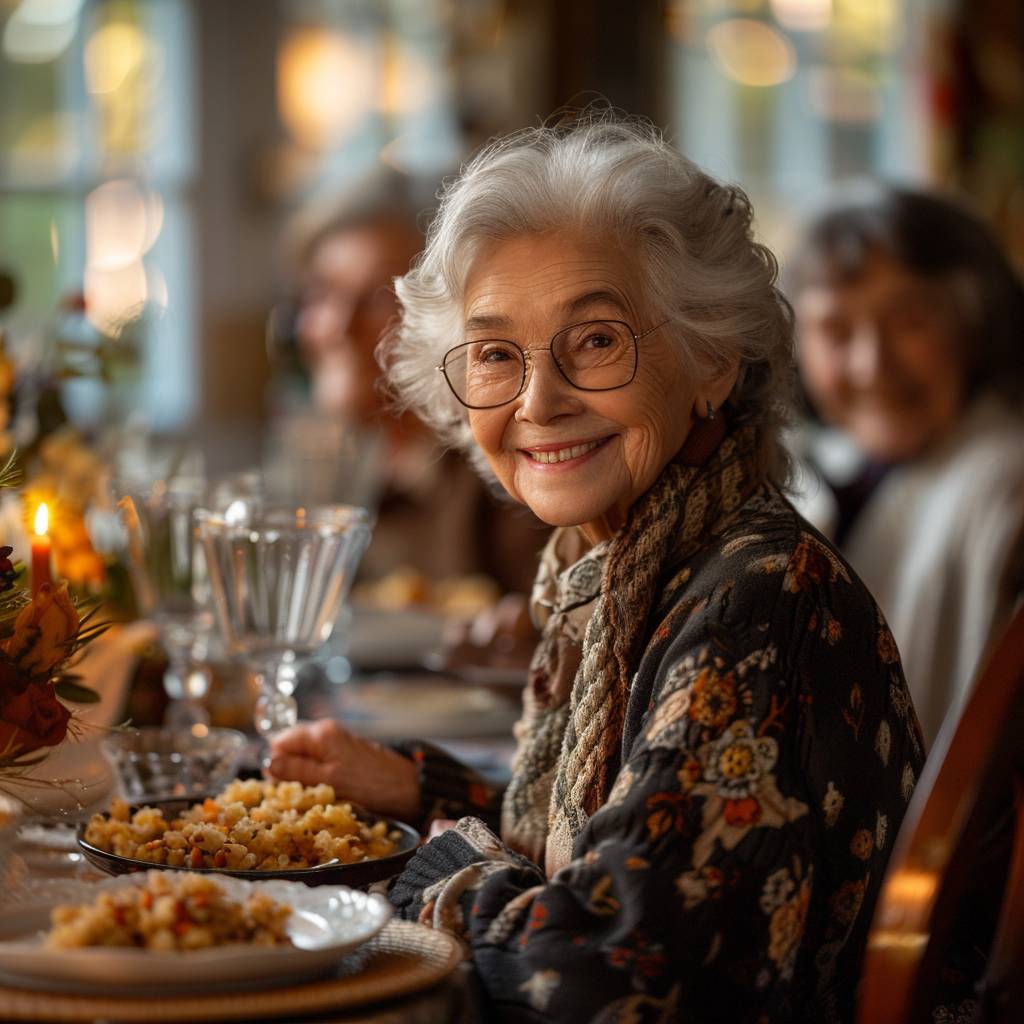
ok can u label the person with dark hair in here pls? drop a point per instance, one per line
(910, 331)
(716, 745)
(345, 253)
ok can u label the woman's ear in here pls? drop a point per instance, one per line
(713, 392)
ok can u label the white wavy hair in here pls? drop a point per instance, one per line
(615, 178)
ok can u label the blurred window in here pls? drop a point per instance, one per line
(96, 162)
(786, 96)
(366, 82)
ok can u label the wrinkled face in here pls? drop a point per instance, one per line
(347, 303)
(880, 358)
(574, 457)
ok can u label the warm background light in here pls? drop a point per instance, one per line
(123, 68)
(872, 25)
(803, 15)
(113, 53)
(751, 52)
(122, 221)
(325, 84)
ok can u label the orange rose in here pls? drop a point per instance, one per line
(31, 719)
(42, 631)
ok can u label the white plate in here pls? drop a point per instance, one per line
(416, 707)
(326, 923)
(381, 639)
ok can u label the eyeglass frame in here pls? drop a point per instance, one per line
(527, 357)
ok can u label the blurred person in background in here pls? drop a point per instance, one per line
(436, 519)
(911, 355)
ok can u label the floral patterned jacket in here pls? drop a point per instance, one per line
(768, 753)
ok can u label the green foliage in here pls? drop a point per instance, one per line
(68, 689)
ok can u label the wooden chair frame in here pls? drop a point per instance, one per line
(962, 792)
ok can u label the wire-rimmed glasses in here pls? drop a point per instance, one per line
(595, 355)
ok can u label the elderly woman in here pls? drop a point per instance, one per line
(909, 320)
(717, 744)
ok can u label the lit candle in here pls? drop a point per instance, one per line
(42, 548)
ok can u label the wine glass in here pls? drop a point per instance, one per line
(278, 577)
(169, 577)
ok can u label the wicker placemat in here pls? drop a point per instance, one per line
(403, 958)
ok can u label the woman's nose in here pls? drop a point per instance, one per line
(865, 355)
(547, 393)
(326, 324)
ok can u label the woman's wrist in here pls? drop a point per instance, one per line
(404, 801)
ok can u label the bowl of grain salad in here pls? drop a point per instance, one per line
(252, 829)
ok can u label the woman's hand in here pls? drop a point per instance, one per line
(439, 826)
(362, 771)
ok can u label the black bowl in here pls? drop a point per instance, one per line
(357, 875)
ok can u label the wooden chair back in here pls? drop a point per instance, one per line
(972, 782)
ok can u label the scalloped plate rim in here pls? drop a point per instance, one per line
(101, 970)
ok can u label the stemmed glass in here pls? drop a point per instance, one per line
(278, 577)
(169, 578)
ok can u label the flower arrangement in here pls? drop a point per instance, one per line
(40, 634)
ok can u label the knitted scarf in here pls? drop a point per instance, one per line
(593, 617)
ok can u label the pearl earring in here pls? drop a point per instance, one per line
(711, 411)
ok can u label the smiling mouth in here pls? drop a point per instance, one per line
(564, 454)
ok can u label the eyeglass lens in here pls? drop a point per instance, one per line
(595, 356)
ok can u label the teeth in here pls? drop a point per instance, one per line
(564, 454)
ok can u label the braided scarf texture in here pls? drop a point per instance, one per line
(569, 743)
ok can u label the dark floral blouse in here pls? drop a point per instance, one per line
(768, 754)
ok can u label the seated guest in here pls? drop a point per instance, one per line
(909, 326)
(434, 515)
(717, 745)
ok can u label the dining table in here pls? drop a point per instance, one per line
(408, 973)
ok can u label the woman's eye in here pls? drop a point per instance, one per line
(597, 341)
(492, 354)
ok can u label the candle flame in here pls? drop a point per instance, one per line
(42, 520)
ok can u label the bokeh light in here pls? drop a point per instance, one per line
(325, 85)
(803, 15)
(875, 26)
(39, 31)
(751, 52)
(122, 221)
(114, 296)
(112, 54)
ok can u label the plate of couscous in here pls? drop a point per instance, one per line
(167, 933)
(253, 830)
